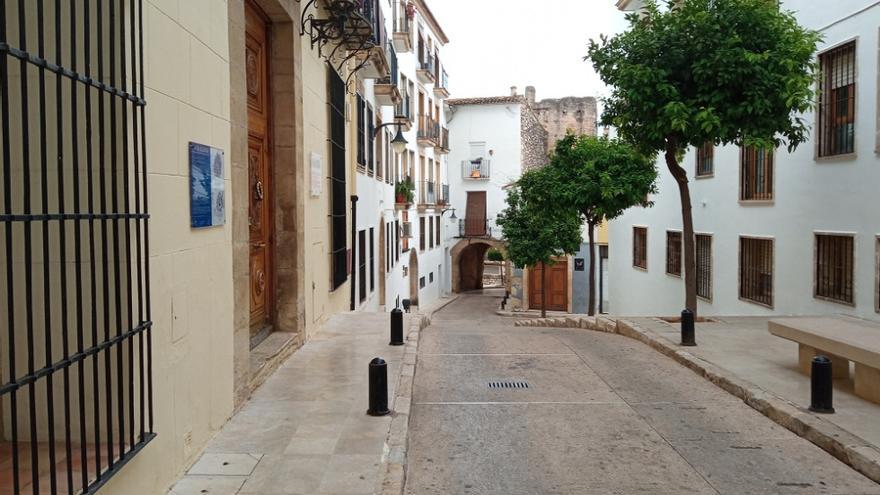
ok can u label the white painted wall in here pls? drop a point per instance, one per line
(810, 195)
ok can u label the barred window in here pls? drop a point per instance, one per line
(756, 174)
(834, 267)
(421, 233)
(76, 389)
(431, 232)
(338, 230)
(756, 270)
(706, 160)
(372, 259)
(371, 141)
(704, 265)
(837, 107)
(396, 241)
(361, 132)
(437, 227)
(673, 253)
(640, 247)
(362, 264)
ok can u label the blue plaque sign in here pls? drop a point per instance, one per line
(206, 186)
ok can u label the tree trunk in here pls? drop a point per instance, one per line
(591, 302)
(687, 220)
(543, 290)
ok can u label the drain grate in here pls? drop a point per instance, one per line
(509, 384)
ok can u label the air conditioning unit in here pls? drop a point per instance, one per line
(406, 230)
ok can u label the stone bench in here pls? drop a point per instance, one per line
(840, 339)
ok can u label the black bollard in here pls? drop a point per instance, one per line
(821, 389)
(406, 305)
(378, 388)
(396, 327)
(687, 328)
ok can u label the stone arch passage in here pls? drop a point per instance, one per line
(467, 262)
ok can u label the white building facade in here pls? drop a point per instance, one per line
(398, 245)
(778, 233)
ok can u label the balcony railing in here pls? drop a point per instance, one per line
(474, 227)
(443, 197)
(425, 69)
(427, 193)
(442, 87)
(402, 25)
(429, 131)
(475, 169)
(443, 139)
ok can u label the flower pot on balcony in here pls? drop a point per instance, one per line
(400, 198)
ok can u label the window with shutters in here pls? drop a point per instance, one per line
(706, 160)
(704, 265)
(640, 247)
(421, 233)
(834, 268)
(673, 253)
(837, 101)
(437, 227)
(361, 131)
(430, 232)
(756, 270)
(338, 209)
(372, 259)
(397, 241)
(362, 264)
(371, 141)
(756, 174)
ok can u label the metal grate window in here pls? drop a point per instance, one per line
(704, 265)
(431, 232)
(437, 227)
(372, 259)
(76, 343)
(421, 233)
(706, 160)
(756, 174)
(361, 145)
(362, 264)
(339, 242)
(834, 267)
(673, 253)
(756, 270)
(837, 101)
(640, 247)
(371, 141)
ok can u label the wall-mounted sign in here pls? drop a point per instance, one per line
(316, 175)
(206, 187)
(578, 264)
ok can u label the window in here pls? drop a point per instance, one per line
(431, 232)
(640, 247)
(437, 227)
(834, 268)
(756, 270)
(338, 230)
(371, 141)
(372, 260)
(706, 160)
(76, 388)
(362, 264)
(673, 253)
(361, 145)
(389, 246)
(421, 233)
(422, 283)
(837, 101)
(397, 241)
(431, 277)
(704, 265)
(756, 174)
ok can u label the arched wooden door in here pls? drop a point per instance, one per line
(259, 170)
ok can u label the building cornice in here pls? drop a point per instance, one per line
(432, 21)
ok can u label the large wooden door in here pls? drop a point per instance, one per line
(556, 288)
(475, 214)
(259, 169)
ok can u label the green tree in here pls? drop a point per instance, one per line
(707, 71)
(596, 176)
(536, 235)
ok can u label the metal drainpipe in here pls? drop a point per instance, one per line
(354, 253)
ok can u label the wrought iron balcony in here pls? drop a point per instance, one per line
(443, 197)
(474, 227)
(429, 131)
(386, 89)
(442, 145)
(425, 69)
(403, 112)
(476, 169)
(427, 193)
(355, 29)
(441, 90)
(404, 12)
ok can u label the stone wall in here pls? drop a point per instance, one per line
(534, 140)
(560, 115)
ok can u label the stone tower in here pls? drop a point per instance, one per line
(559, 115)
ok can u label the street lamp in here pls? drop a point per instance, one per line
(398, 144)
(451, 217)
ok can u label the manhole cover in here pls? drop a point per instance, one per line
(509, 384)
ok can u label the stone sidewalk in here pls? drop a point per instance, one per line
(305, 430)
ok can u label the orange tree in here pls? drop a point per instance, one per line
(707, 71)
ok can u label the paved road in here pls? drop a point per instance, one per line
(602, 414)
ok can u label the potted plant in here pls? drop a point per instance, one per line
(404, 192)
(410, 10)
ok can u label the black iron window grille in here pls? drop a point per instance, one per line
(371, 141)
(706, 160)
(756, 270)
(362, 265)
(372, 259)
(837, 108)
(421, 233)
(704, 265)
(339, 244)
(673, 253)
(756, 174)
(362, 132)
(640, 247)
(75, 342)
(835, 267)
(397, 250)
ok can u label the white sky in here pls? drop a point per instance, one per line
(496, 44)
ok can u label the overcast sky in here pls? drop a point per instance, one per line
(496, 44)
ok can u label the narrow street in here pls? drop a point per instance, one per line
(601, 414)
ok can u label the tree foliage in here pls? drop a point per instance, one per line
(732, 71)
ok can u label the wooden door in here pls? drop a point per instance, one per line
(556, 286)
(475, 214)
(259, 168)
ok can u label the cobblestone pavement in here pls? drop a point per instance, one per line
(601, 414)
